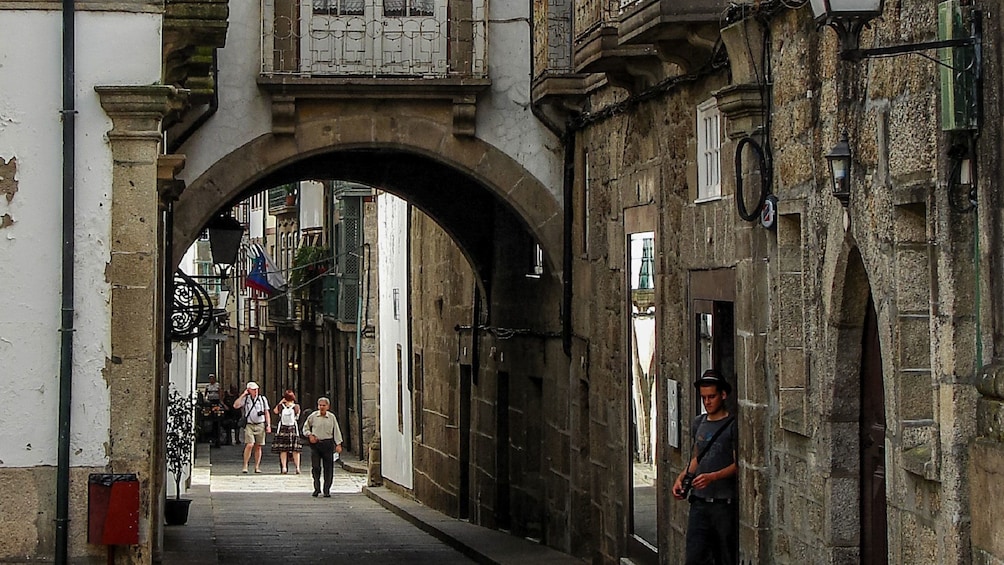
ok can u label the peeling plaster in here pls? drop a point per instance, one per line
(8, 184)
(6, 221)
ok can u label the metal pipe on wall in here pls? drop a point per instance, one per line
(67, 307)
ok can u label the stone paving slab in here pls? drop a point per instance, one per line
(486, 546)
(238, 519)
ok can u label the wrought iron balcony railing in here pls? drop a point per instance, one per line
(374, 38)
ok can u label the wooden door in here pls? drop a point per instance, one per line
(874, 545)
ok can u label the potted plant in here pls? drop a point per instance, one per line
(309, 263)
(180, 446)
(291, 194)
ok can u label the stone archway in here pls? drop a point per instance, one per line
(368, 149)
(840, 393)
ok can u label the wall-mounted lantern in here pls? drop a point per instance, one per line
(839, 161)
(847, 18)
(960, 58)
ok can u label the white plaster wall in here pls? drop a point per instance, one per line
(311, 205)
(30, 131)
(505, 118)
(256, 227)
(392, 253)
(182, 377)
(243, 111)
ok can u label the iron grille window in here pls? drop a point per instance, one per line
(338, 7)
(404, 8)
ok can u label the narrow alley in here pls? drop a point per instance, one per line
(270, 517)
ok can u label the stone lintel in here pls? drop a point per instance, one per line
(288, 91)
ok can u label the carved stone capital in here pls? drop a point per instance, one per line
(136, 111)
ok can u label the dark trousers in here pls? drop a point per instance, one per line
(713, 533)
(322, 454)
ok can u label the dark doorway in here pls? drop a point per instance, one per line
(466, 376)
(502, 516)
(874, 545)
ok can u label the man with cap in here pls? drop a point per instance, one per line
(254, 408)
(713, 525)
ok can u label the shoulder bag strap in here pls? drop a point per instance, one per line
(728, 422)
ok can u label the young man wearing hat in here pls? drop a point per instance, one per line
(254, 407)
(713, 525)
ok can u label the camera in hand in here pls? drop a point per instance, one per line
(687, 485)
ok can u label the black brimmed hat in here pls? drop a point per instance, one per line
(713, 377)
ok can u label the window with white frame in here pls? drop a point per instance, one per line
(709, 145)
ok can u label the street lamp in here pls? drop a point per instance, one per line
(839, 161)
(225, 235)
(961, 65)
(192, 311)
(849, 17)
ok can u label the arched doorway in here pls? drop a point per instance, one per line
(853, 429)
(874, 539)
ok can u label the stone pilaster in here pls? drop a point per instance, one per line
(135, 371)
(986, 465)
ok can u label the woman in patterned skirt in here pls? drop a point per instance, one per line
(287, 437)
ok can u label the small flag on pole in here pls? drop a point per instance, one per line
(265, 277)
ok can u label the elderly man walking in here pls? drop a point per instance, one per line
(325, 437)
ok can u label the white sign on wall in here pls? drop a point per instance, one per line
(673, 412)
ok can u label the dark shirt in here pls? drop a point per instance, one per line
(720, 456)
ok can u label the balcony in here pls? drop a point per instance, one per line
(683, 32)
(278, 311)
(282, 200)
(374, 49)
(638, 43)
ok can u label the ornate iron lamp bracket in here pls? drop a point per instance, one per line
(191, 310)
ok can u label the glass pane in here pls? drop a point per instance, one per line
(423, 7)
(352, 7)
(394, 8)
(641, 264)
(325, 7)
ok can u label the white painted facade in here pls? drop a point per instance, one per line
(311, 205)
(504, 117)
(30, 248)
(244, 112)
(393, 344)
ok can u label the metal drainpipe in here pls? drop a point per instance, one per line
(568, 181)
(66, 327)
(359, 370)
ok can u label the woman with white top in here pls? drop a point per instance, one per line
(287, 437)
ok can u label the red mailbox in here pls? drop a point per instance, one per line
(113, 509)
